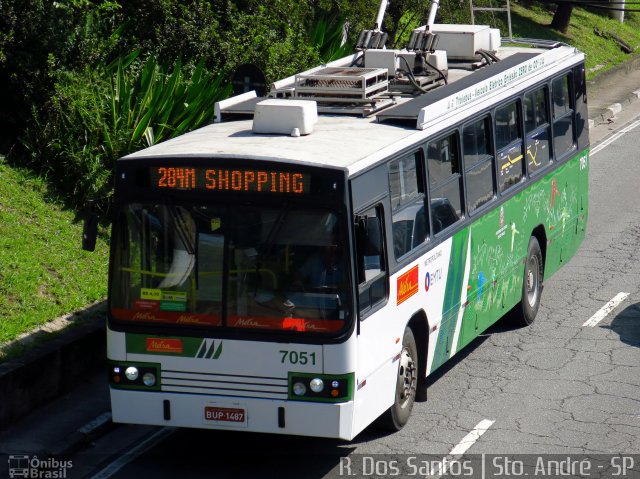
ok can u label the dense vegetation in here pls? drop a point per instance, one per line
(86, 81)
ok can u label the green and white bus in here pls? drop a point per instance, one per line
(303, 264)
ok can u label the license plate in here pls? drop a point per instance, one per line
(230, 416)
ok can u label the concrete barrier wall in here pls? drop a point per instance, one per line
(50, 369)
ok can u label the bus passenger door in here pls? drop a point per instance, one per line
(376, 372)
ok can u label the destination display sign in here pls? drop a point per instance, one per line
(230, 180)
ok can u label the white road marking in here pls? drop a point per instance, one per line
(471, 438)
(606, 309)
(464, 445)
(138, 450)
(614, 137)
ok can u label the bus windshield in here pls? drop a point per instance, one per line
(249, 267)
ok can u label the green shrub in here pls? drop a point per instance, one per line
(328, 35)
(40, 37)
(97, 116)
(275, 44)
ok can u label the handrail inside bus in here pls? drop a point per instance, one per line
(268, 272)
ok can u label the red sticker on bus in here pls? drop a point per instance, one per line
(146, 305)
(164, 345)
(407, 284)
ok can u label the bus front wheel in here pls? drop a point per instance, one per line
(531, 285)
(398, 414)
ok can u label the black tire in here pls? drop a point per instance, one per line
(398, 414)
(526, 311)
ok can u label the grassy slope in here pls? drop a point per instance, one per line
(43, 271)
(602, 53)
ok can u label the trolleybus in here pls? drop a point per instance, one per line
(304, 263)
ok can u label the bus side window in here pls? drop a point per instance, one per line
(372, 278)
(479, 163)
(509, 145)
(537, 129)
(445, 189)
(407, 203)
(563, 137)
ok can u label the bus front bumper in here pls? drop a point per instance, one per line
(302, 418)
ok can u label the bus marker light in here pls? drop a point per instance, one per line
(334, 393)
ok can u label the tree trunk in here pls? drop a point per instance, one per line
(562, 17)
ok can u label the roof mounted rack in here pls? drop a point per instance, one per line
(534, 42)
(411, 84)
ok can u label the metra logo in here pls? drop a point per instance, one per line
(248, 323)
(407, 284)
(144, 316)
(162, 345)
(188, 319)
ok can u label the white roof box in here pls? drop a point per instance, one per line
(285, 117)
(462, 41)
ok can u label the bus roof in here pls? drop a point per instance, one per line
(337, 140)
(369, 133)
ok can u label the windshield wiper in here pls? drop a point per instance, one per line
(182, 229)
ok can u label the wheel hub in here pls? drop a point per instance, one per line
(532, 281)
(408, 377)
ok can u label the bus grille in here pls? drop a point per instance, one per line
(224, 385)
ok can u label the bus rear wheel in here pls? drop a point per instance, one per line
(527, 310)
(398, 414)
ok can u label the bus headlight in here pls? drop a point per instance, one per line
(131, 373)
(316, 385)
(139, 376)
(333, 388)
(299, 389)
(149, 379)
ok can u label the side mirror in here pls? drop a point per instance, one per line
(90, 231)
